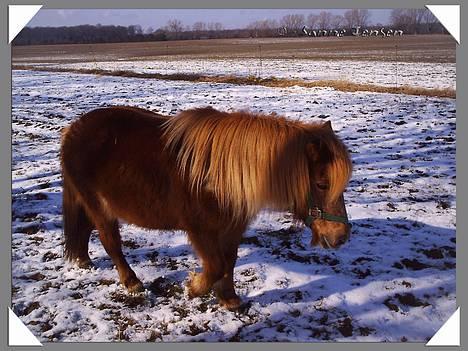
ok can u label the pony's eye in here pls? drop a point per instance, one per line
(322, 186)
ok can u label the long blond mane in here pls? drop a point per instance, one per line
(251, 161)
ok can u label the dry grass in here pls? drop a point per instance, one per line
(342, 85)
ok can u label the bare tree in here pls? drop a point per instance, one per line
(337, 21)
(215, 26)
(312, 20)
(262, 28)
(430, 21)
(199, 26)
(363, 17)
(409, 20)
(428, 17)
(175, 26)
(264, 24)
(293, 23)
(149, 30)
(398, 18)
(324, 20)
(415, 17)
(356, 18)
(349, 19)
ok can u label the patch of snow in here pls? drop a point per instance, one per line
(394, 280)
(386, 73)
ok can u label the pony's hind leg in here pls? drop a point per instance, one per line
(77, 237)
(77, 227)
(109, 235)
(110, 239)
(82, 259)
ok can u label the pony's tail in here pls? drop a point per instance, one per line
(76, 224)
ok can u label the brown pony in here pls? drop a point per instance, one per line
(205, 172)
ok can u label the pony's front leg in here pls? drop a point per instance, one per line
(201, 283)
(224, 288)
(198, 284)
(208, 250)
(226, 293)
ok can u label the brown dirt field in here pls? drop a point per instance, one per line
(408, 48)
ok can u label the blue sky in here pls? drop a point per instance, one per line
(155, 18)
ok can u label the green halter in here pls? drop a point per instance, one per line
(317, 213)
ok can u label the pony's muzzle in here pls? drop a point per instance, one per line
(333, 244)
(331, 241)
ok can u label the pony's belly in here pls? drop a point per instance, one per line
(149, 218)
(155, 215)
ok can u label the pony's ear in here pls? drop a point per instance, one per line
(327, 125)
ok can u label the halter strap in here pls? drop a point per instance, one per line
(318, 213)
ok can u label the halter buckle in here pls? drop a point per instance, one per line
(315, 213)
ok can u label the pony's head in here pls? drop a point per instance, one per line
(329, 172)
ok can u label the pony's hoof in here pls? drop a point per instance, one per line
(232, 304)
(84, 263)
(134, 286)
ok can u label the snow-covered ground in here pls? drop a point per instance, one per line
(386, 73)
(393, 281)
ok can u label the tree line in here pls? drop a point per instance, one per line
(411, 21)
